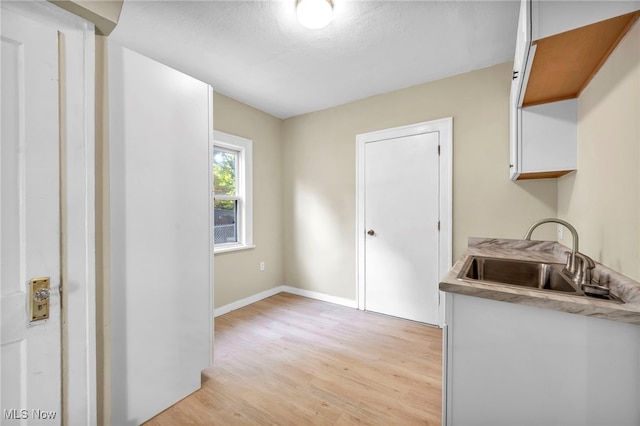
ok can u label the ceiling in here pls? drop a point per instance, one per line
(256, 51)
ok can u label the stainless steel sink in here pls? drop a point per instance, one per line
(521, 273)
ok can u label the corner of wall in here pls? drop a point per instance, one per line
(602, 199)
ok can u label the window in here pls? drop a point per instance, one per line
(232, 192)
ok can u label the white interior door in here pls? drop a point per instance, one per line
(401, 207)
(30, 217)
(161, 234)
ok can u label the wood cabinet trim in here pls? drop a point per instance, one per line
(565, 63)
(543, 175)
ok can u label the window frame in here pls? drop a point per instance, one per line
(244, 189)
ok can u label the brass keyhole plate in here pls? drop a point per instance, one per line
(39, 305)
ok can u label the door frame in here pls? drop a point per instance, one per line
(77, 205)
(444, 127)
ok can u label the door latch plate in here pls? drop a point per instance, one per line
(39, 298)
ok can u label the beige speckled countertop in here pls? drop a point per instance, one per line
(625, 288)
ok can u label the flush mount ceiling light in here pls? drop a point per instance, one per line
(314, 14)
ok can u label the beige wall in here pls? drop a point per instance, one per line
(319, 174)
(602, 200)
(237, 274)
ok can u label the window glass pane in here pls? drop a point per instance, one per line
(224, 172)
(225, 223)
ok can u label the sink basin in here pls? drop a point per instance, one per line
(521, 273)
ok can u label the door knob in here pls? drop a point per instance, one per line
(371, 232)
(41, 295)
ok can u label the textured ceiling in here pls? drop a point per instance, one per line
(257, 52)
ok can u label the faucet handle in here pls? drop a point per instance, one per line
(578, 276)
(600, 278)
(604, 279)
(570, 267)
(588, 262)
(586, 265)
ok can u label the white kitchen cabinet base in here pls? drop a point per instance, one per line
(510, 364)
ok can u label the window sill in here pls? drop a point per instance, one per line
(230, 248)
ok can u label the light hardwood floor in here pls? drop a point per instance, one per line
(290, 360)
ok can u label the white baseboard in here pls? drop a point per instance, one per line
(246, 301)
(287, 289)
(320, 296)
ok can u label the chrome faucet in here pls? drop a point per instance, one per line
(581, 273)
(571, 262)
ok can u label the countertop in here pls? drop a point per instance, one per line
(546, 251)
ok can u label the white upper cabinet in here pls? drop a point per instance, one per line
(549, 18)
(523, 42)
(560, 46)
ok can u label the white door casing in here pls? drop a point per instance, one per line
(30, 247)
(161, 234)
(71, 58)
(404, 193)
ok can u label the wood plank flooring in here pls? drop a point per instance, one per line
(290, 360)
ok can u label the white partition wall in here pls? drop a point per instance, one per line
(161, 251)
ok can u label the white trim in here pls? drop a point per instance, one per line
(321, 296)
(80, 402)
(81, 243)
(247, 301)
(226, 248)
(284, 289)
(445, 128)
(211, 231)
(228, 197)
(245, 188)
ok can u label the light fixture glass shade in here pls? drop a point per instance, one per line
(314, 14)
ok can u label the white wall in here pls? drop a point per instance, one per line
(160, 234)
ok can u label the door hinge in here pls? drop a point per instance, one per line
(438, 225)
(438, 149)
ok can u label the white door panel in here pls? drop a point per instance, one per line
(402, 208)
(29, 225)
